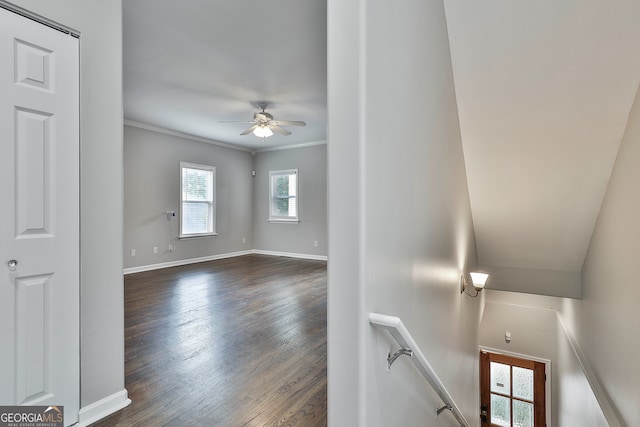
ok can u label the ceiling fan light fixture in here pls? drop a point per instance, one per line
(263, 132)
(263, 125)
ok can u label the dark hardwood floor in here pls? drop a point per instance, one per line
(234, 342)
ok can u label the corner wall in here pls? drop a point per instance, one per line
(533, 331)
(610, 319)
(102, 301)
(152, 187)
(297, 238)
(400, 222)
(537, 332)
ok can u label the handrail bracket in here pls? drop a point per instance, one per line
(444, 408)
(392, 357)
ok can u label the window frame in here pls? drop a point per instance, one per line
(212, 203)
(278, 218)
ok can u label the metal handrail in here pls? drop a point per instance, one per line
(409, 347)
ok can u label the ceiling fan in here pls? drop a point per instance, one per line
(263, 124)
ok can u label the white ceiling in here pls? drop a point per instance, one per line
(189, 65)
(544, 89)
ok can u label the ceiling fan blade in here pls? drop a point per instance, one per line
(236, 121)
(287, 123)
(248, 131)
(278, 129)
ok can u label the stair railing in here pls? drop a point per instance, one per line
(408, 347)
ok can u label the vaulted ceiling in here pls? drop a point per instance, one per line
(544, 89)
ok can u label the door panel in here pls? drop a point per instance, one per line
(512, 391)
(39, 215)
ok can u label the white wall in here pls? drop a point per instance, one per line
(152, 187)
(297, 238)
(102, 322)
(536, 332)
(533, 334)
(400, 223)
(574, 401)
(610, 319)
(534, 281)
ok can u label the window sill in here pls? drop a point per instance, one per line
(283, 221)
(196, 236)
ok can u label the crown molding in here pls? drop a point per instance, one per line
(165, 131)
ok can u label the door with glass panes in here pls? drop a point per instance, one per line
(512, 391)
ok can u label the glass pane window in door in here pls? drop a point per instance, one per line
(522, 414)
(500, 411)
(523, 383)
(500, 378)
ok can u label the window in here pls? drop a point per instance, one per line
(197, 200)
(283, 196)
(512, 391)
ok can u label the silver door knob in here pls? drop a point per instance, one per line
(13, 264)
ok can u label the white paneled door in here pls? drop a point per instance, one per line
(39, 215)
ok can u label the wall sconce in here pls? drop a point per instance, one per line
(478, 280)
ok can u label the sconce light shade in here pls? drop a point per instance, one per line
(263, 132)
(478, 281)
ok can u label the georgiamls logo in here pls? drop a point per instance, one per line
(31, 416)
(52, 414)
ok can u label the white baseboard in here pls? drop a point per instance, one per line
(184, 262)
(220, 256)
(103, 407)
(291, 255)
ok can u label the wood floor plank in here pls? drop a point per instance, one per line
(234, 342)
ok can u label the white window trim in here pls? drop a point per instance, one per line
(214, 202)
(283, 219)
